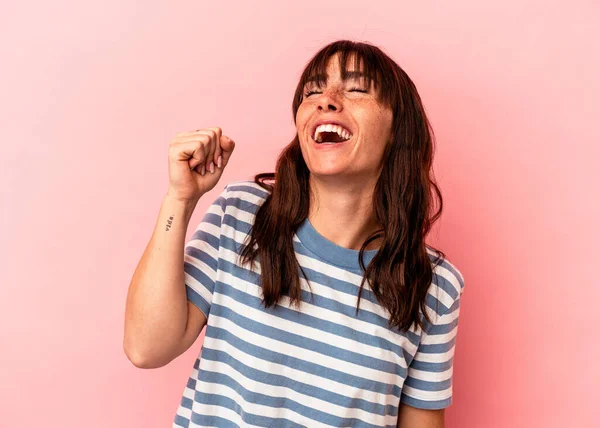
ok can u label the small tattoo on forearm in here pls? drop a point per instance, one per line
(169, 223)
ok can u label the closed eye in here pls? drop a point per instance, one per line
(309, 93)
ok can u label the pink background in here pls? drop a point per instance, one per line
(91, 95)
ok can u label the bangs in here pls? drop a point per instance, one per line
(354, 63)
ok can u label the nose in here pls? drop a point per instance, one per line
(329, 101)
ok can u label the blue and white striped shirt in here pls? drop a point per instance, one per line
(321, 365)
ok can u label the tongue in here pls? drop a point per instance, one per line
(331, 137)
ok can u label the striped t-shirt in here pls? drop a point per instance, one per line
(317, 366)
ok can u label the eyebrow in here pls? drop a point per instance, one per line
(350, 75)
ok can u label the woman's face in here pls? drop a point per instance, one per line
(360, 113)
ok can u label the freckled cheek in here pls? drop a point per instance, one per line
(300, 123)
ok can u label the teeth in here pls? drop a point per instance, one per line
(341, 131)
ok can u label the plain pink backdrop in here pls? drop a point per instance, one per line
(91, 95)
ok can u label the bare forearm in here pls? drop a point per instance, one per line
(156, 308)
(411, 417)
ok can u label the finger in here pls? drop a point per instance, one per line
(210, 155)
(205, 137)
(193, 136)
(194, 152)
(227, 146)
(218, 130)
(198, 157)
(184, 133)
(219, 150)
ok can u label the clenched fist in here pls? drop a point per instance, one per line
(196, 161)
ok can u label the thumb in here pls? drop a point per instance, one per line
(227, 146)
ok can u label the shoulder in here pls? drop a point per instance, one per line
(447, 285)
(246, 191)
(240, 200)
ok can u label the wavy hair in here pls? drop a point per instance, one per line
(401, 271)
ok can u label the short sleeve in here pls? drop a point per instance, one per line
(428, 384)
(201, 255)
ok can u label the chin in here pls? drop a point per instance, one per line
(332, 171)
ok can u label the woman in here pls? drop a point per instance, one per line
(323, 304)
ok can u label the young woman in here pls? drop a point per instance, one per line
(322, 302)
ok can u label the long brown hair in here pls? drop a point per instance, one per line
(401, 272)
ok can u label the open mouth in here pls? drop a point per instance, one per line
(331, 134)
(330, 138)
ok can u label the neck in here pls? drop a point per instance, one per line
(343, 213)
